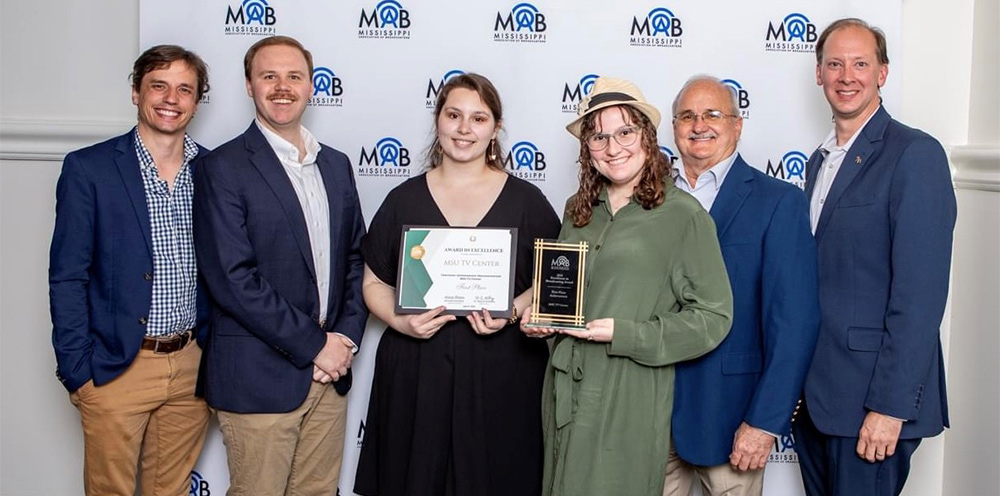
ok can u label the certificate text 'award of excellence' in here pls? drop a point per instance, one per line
(557, 284)
(463, 269)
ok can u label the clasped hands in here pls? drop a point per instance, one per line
(597, 330)
(334, 359)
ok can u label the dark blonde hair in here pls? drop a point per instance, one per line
(489, 95)
(881, 48)
(275, 41)
(648, 193)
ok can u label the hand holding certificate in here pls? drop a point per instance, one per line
(462, 269)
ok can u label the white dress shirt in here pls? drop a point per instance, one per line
(833, 157)
(706, 188)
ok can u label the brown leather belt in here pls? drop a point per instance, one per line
(167, 344)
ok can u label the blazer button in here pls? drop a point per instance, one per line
(147, 276)
(143, 320)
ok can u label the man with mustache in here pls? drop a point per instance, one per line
(730, 404)
(278, 230)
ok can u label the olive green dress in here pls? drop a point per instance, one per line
(606, 406)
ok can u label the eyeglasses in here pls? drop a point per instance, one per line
(625, 136)
(708, 116)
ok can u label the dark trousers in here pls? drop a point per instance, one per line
(831, 466)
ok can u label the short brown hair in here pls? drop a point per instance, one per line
(275, 41)
(489, 95)
(650, 191)
(160, 57)
(881, 49)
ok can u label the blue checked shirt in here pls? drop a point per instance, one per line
(173, 307)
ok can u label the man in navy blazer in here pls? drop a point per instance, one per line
(732, 403)
(278, 230)
(123, 289)
(883, 212)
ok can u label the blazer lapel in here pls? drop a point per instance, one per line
(735, 189)
(263, 158)
(335, 199)
(128, 167)
(855, 161)
(812, 167)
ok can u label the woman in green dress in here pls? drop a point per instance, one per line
(656, 293)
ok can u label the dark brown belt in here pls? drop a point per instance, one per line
(167, 344)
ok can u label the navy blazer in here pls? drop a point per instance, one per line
(756, 374)
(254, 254)
(884, 238)
(101, 263)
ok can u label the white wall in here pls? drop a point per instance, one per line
(63, 68)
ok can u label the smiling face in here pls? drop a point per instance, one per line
(621, 165)
(280, 85)
(851, 74)
(166, 99)
(465, 127)
(703, 144)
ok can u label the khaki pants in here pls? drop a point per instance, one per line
(151, 408)
(720, 480)
(292, 454)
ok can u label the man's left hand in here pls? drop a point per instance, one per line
(877, 437)
(751, 446)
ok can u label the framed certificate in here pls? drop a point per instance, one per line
(462, 268)
(557, 284)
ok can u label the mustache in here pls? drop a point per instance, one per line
(706, 134)
(283, 95)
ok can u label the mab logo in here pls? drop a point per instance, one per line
(251, 17)
(795, 33)
(525, 161)
(327, 88)
(388, 158)
(199, 486)
(660, 28)
(388, 20)
(361, 433)
(573, 95)
(671, 156)
(742, 96)
(523, 24)
(434, 87)
(784, 450)
(791, 168)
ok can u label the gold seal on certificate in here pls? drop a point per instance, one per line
(462, 268)
(557, 284)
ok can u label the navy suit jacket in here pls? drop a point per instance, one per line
(101, 263)
(756, 374)
(884, 238)
(254, 254)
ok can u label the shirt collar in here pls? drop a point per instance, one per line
(718, 172)
(146, 159)
(830, 143)
(286, 150)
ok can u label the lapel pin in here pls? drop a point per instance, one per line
(857, 159)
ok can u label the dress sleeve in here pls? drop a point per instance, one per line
(380, 246)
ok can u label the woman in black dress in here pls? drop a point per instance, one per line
(455, 401)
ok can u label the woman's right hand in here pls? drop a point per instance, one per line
(423, 325)
(534, 332)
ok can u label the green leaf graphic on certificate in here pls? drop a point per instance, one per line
(416, 281)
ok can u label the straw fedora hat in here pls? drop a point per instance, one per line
(607, 92)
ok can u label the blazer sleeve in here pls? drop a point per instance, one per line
(789, 314)
(922, 211)
(228, 262)
(70, 257)
(351, 322)
(701, 286)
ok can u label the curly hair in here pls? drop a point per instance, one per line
(649, 192)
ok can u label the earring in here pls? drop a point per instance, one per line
(493, 148)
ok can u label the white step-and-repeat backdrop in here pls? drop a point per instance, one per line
(380, 64)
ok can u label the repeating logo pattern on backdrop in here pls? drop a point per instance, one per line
(784, 450)
(526, 161)
(795, 33)
(388, 20)
(250, 18)
(199, 485)
(434, 87)
(523, 24)
(328, 89)
(387, 158)
(573, 93)
(742, 96)
(791, 168)
(671, 156)
(659, 28)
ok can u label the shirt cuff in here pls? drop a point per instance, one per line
(354, 346)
